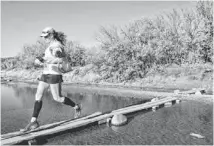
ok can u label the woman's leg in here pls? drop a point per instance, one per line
(38, 99)
(37, 106)
(56, 93)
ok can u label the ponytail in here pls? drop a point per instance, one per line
(61, 37)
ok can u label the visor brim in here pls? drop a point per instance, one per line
(43, 34)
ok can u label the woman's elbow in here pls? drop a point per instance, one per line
(60, 60)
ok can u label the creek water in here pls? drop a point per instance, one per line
(171, 125)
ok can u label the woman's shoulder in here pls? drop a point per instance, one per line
(56, 44)
(56, 49)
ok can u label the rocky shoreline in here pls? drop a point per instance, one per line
(155, 83)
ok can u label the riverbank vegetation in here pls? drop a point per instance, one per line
(147, 46)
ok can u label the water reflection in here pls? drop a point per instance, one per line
(166, 126)
(9, 100)
(18, 100)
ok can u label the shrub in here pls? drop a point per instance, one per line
(178, 37)
(76, 53)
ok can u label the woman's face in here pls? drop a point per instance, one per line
(48, 38)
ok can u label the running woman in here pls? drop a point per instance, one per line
(51, 77)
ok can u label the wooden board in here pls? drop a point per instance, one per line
(83, 122)
(193, 91)
(48, 126)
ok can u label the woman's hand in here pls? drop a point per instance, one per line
(38, 62)
(40, 59)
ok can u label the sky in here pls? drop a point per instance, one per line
(23, 21)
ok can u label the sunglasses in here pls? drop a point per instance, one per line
(46, 35)
(45, 31)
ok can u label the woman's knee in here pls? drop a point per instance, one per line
(38, 97)
(40, 90)
(58, 99)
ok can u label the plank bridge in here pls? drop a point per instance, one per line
(18, 137)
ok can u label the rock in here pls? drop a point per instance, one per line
(117, 129)
(177, 101)
(198, 93)
(154, 108)
(119, 119)
(108, 120)
(32, 142)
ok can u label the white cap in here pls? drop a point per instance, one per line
(47, 31)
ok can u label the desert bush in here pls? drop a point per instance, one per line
(177, 37)
(76, 53)
(205, 33)
(25, 59)
(9, 63)
(29, 54)
(125, 58)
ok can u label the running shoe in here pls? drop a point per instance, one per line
(77, 109)
(30, 126)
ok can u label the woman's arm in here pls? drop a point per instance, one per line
(57, 56)
(53, 60)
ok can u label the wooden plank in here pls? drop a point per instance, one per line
(193, 91)
(43, 127)
(144, 106)
(48, 126)
(18, 139)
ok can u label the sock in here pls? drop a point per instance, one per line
(37, 108)
(33, 119)
(67, 101)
